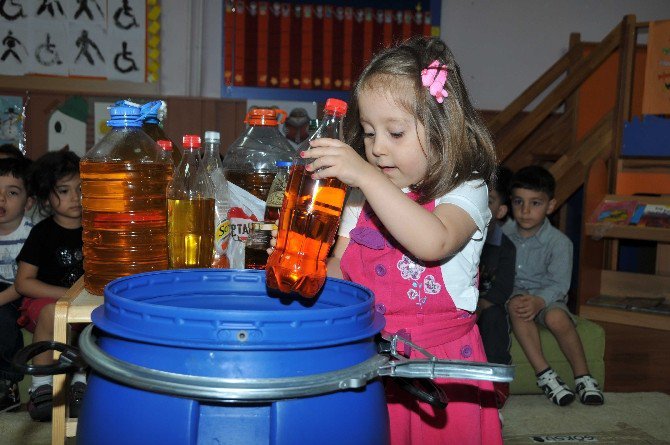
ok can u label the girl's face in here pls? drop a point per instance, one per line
(393, 137)
(65, 201)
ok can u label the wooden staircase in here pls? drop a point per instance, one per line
(547, 134)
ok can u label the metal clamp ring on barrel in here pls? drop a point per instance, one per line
(225, 389)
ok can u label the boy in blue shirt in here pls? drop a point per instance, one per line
(543, 270)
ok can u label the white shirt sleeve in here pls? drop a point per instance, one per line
(351, 212)
(473, 197)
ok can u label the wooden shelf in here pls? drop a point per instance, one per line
(598, 231)
(623, 316)
(78, 85)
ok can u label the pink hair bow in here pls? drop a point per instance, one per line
(435, 78)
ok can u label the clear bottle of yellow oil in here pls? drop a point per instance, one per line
(190, 211)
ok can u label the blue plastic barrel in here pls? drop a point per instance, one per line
(223, 324)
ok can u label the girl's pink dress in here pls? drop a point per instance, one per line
(414, 301)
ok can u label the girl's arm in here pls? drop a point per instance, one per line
(8, 295)
(427, 236)
(27, 284)
(333, 263)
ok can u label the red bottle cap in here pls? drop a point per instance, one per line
(165, 145)
(336, 106)
(191, 141)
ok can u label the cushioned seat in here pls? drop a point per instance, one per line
(593, 339)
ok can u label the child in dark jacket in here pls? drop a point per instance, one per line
(496, 281)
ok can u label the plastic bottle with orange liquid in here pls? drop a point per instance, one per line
(123, 181)
(308, 219)
(190, 211)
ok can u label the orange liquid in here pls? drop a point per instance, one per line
(258, 183)
(308, 223)
(124, 219)
(190, 235)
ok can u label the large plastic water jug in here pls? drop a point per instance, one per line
(123, 183)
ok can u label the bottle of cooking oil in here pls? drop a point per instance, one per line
(153, 114)
(123, 182)
(190, 210)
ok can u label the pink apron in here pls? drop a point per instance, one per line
(415, 302)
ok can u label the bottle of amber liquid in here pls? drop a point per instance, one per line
(190, 211)
(308, 219)
(123, 182)
(151, 124)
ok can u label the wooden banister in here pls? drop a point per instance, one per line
(542, 83)
(580, 72)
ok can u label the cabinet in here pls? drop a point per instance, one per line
(599, 250)
(637, 344)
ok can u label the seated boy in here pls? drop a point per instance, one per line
(14, 228)
(496, 281)
(543, 269)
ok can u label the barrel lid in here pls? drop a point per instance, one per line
(229, 309)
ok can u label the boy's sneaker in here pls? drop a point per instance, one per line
(554, 388)
(40, 403)
(588, 390)
(10, 400)
(77, 390)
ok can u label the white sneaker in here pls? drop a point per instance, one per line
(554, 388)
(588, 390)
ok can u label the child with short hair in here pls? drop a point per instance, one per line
(15, 200)
(50, 262)
(414, 225)
(496, 281)
(543, 271)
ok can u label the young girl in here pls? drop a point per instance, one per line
(50, 261)
(415, 223)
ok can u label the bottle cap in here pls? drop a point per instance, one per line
(212, 136)
(191, 141)
(165, 144)
(265, 116)
(149, 111)
(284, 163)
(123, 114)
(336, 105)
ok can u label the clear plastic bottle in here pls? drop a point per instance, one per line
(123, 181)
(277, 191)
(308, 219)
(190, 211)
(151, 124)
(166, 153)
(250, 162)
(212, 163)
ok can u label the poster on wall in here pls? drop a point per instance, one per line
(90, 38)
(11, 121)
(312, 45)
(656, 96)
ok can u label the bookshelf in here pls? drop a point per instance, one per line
(598, 274)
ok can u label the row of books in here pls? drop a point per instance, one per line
(632, 212)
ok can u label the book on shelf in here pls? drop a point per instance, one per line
(639, 304)
(615, 212)
(652, 215)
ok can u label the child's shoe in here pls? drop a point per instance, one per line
(77, 390)
(41, 403)
(588, 390)
(10, 400)
(554, 388)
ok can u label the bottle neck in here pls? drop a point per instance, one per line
(331, 127)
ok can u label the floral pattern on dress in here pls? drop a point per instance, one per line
(409, 270)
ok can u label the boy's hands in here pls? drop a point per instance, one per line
(525, 307)
(335, 159)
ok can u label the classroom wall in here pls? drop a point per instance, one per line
(502, 46)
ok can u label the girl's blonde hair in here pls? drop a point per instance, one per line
(459, 146)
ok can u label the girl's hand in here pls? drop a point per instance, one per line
(332, 158)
